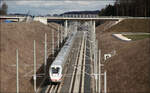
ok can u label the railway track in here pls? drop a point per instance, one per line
(77, 80)
(77, 70)
(53, 88)
(68, 82)
(75, 60)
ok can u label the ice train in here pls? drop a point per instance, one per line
(56, 70)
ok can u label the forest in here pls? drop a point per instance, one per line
(133, 8)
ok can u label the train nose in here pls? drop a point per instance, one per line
(56, 80)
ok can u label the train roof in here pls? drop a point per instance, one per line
(64, 52)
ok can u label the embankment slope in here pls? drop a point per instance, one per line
(128, 70)
(21, 36)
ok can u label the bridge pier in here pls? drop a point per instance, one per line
(66, 28)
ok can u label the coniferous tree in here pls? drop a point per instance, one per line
(3, 9)
(135, 8)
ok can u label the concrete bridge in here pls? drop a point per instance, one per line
(112, 18)
(45, 19)
(16, 18)
(13, 18)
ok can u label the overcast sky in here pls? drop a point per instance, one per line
(40, 7)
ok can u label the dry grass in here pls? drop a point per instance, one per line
(132, 25)
(127, 71)
(21, 36)
(137, 37)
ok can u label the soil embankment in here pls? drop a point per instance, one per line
(128, 70)
(21, 36)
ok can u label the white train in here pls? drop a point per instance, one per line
(56, 69)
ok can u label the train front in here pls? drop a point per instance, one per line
(55, 73)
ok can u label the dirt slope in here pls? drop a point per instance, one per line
(128, 70)
(21, 36)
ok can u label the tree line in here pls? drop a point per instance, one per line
(134, 8)
(3, 9)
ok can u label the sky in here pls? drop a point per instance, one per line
(44, 7)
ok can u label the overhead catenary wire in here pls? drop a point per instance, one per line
(105, 82)
(99, 71)
(45, 60)
(52, 42)
(17, 72)
(61, 34)
(58, 40)
(34, 66)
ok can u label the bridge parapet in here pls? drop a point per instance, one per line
(41, 19)
(18, 18)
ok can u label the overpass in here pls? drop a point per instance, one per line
(15, 18)
(45, 19)
(84, 18)
(112, 18)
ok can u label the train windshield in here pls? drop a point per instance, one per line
(55, 70)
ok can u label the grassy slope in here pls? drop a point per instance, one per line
(132, 25)
(127, 71)
(137, 37)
